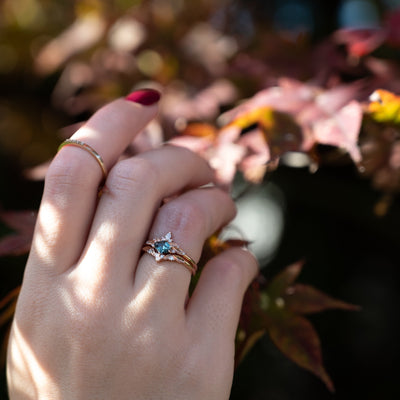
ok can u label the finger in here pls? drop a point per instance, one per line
(72, 181)
(135, 189)
(214, 309)
(191, 218)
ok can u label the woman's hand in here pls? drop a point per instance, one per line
(99, 319)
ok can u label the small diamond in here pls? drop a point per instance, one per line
(163, 247)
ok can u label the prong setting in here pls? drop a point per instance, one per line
(165, 248)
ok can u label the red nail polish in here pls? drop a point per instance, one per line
(146, 97)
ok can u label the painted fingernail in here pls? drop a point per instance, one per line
(146, 97)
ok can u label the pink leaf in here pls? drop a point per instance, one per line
(224, 159)
(341, 130)
(38, 172)
(254, 164)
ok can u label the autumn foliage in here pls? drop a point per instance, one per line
(252, 108)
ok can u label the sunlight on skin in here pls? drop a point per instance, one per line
(49, 223)
(47, 226)
(22, 361)
(85, 132)
(90, 281)
(92, 276)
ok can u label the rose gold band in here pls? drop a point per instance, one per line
(166, 249)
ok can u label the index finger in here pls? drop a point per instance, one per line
(70, 194)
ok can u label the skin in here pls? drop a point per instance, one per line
(96, 318)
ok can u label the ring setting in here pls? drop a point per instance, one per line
(165, 248)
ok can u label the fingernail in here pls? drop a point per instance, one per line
(146, 97)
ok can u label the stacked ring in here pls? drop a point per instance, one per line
(166, 249)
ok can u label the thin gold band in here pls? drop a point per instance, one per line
(89, 149)
(189, 261)
(186, 261)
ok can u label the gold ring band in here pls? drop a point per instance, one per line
(166, 249)
(89, 149)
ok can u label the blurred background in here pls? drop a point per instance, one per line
(62, 60)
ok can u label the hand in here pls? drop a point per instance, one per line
(99, 319)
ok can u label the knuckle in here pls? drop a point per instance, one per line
(64, 173)
(134, 173)
(185, 217)
(187, 154)
(230, 269)
(236, 268)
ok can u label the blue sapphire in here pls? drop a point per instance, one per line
(163, 247)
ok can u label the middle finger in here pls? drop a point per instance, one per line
(135, 190)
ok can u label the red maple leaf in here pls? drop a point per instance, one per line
(22, 223)
(392, 24)
(7, 309)
(360, 42)
(277, 308)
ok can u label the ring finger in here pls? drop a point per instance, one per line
(191, 218)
